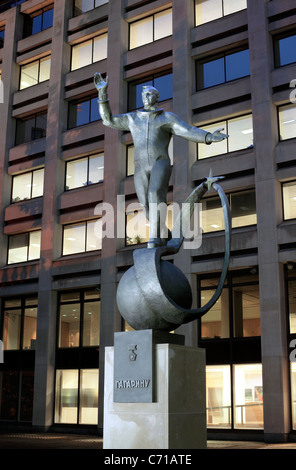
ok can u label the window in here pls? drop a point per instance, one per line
(163, 83)
(287, 121)
(243, 211)
(88, 52)
(83, 112)
(38, 21)
(209, 10)
(82, 237)
(76, 396)
(150, 29)
(218, 397)
(31, 128)
(130, 157)
(2, 34)
(35, 72)
(20, 323)
(84, 171)
(79, 319)
(245, 403)
(16, 392)
(293, 393)
(240, 131)
(236, 313)
(24, 247)
(223, 69)
(81, 6)
(27, 185)
(285, 50)
(289, 200)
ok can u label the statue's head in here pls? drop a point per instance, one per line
(150, 96)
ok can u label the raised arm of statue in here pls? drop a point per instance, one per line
(119, 122)
(182, 129)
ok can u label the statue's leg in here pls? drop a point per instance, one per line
(141, 181)
(157, 194)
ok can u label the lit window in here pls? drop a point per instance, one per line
(89, 51)
(31, 128)
(28, 185)
(79, 310)
(243, 211)
(163, 83)
(35, 72)
(82, 237)
(151, 28)
(83, 112)
(82, 6)
(218, 397)
(71, 385)
(209, 10)
(285, 50)
(223, 69)
(38, 21)
(248, 396)
(240, 131)
(289, 200)
(287, 121)
(24, 247)
(244, 308)
(20, 323)
(84, 171)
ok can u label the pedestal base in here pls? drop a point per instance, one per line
(177, 417)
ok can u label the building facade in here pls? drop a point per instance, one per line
(217, 64)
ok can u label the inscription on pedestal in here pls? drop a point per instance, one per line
(133, 367)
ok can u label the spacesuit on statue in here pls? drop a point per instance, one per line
(151, 129)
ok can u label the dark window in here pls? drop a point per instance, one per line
(83, 112)
(38, 21)
(285, 50)
(31, 128)
(2, 34)
(223, 69)
(163, 83)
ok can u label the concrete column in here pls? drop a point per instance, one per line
(184, 151)
(10, 80)
(114, 172)
(269, 214)
(51, 241)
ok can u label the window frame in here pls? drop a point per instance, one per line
(276, 49)
(38, 79)
(30, 17)
(27, 118)
(92, 51)
(215, 19)
(27, 247)
(85, 223)
(31, 185)
(88, 183)
(77, 101)
(200, 63)
(23, 306)
(152, 16)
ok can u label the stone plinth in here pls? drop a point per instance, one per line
(177, 417)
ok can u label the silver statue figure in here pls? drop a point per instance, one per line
(151, 129)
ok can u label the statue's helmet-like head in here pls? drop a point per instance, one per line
(150, 94)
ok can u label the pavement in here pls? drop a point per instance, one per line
(49, 441)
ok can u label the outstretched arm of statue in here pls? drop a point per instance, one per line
(182, 129)
(119, 122)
